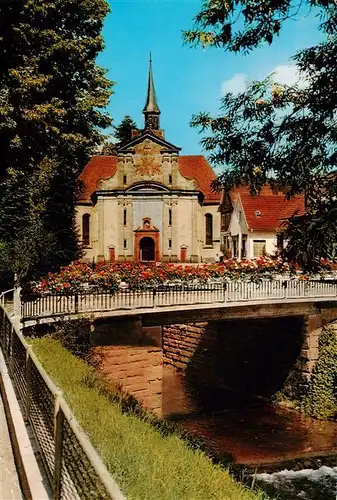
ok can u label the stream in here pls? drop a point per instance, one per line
(289, 456)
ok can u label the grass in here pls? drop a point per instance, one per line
(145, 463)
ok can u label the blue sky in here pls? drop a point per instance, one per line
(187, 80)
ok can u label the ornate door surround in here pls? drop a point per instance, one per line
(146, 231)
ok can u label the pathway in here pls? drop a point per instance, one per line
(9, 481)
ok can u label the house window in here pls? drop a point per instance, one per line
(244, 246)
(125, 244)
(259, 248)
(209, 229)
(170, 243)
(170, 217)
(125, 217)
(239, 216)
(124, 179)
(225, 220)
(170, 179)
(235, 246)
(86, 230)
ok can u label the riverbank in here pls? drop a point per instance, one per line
(146, 457)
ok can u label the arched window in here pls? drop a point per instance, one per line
(209, 229)
(86, 230)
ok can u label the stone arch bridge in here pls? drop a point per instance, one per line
(215, 334)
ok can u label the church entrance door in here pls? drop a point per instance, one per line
(147, 249)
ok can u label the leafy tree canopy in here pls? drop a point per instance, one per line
(273, 133)
(52, 95)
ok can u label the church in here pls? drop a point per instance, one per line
(148, 203)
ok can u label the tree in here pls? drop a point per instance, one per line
(122, 135)
(123, 131)
(284, 135)
(51, 97)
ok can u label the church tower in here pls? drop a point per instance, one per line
(151, 110)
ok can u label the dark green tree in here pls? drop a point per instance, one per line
(52, 94)
(123, 131)
(284, 135)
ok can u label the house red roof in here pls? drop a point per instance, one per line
(97, 169)
(266, 212)
(196, 167)
(191, 167)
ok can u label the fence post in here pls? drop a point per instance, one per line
(76, 302)
(10, 349)
(17, 301)
(28, 384)
(285, 285)
(58, 433)
(224, 286)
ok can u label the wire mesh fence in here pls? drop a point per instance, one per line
(73, 467)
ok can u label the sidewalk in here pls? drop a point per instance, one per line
(9, 482)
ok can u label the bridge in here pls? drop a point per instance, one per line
(177, 303)
(191, 326)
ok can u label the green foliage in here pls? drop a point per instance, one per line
(245, 25)
(123, 131)
(51, 96)
(145, 462)
(321, 399)
(278, 134)
(75, 336)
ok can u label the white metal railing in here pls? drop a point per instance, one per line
(175, 295)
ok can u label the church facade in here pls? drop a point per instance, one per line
(149, 203)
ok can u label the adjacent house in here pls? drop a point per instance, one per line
(251, 225)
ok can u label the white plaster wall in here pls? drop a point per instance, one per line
(237, 223)
(80, 210)
(148, 207)
(270, 239)
(183, 225)
(209, 254)
(112, 223)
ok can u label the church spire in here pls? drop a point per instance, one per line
(151, 110)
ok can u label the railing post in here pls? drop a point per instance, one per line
(10, 349)
(154, 296)
(285, 286)
(28, 384)
(76, 302)
(224, 297)
(58, 434)
(17, 302)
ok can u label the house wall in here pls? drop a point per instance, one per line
(210, 253)
(238, 227)
(270, 239)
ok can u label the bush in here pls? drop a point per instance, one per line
(75, 336)
(321, 399)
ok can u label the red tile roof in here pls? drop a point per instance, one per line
(266, 212)
(196, 167)
(191, 167)
(98, 168)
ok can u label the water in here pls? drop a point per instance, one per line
(290, 456)
(307, 484)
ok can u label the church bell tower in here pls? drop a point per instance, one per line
(151, 110)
